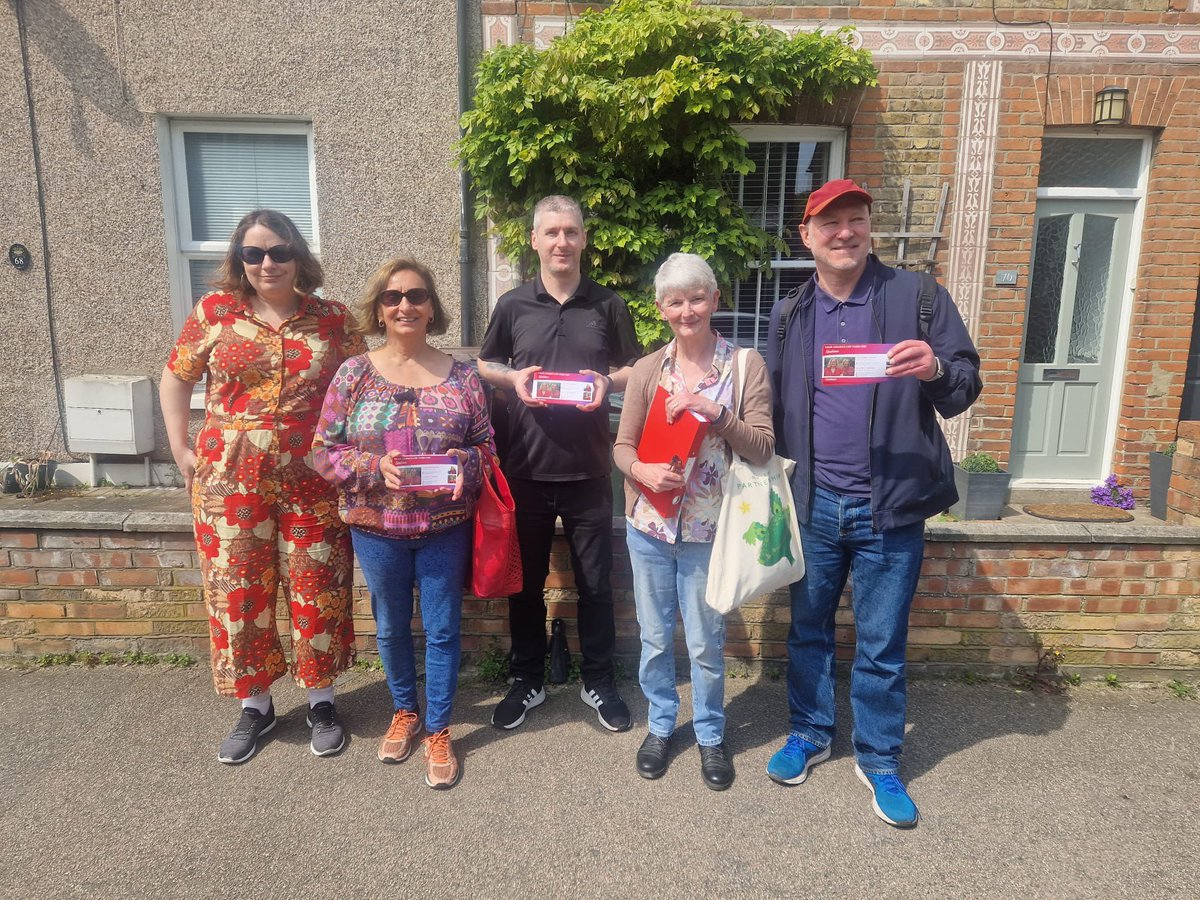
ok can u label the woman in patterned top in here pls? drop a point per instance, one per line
(408, 399)
(670, 556)
(268, 347)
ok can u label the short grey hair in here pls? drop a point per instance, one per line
(558, 203)
(682, 271)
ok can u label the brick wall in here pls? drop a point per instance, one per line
(984, 604)
(915, 122)
(1183, 497)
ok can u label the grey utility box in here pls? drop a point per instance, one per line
(109, 414)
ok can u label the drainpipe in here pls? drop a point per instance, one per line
(465, 264)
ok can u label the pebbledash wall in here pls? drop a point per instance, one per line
(992, 596)
(968, 90)
(373, 82)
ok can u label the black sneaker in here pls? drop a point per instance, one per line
(243, 740)
(609, 707)
(327, 734)
(510, 712)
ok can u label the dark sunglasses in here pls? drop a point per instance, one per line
(415, 296)
(280, 253)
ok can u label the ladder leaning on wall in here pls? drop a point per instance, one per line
(905, 234)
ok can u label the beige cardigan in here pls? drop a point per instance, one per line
(751, 435)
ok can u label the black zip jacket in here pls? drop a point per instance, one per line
(912, 476)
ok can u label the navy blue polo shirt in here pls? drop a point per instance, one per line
(591, 330)
(841, 415)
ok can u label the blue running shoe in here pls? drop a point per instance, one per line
(791, 764)
(890, 799)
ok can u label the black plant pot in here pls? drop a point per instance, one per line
(19, 473)
(1160, 481)
(981, 495)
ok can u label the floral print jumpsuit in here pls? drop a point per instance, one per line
(256, 499)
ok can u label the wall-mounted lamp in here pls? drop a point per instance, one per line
(1112, 106)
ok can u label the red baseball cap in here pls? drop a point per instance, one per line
(830, 191)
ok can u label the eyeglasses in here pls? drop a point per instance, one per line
(280, 253)
(415, 296)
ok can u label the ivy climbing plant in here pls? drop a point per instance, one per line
(632, 112)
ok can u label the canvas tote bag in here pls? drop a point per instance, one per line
(495, 555)
(757, 546)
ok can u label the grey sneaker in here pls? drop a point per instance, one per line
(327, 734)
(243, 740)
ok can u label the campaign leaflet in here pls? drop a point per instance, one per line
(854, 363)
(427, 473)
(564, 388)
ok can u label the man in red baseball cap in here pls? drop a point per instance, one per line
(832, 191)
(871, 466)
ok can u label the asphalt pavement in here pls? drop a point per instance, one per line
(110, 787)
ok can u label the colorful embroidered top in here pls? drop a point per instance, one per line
(260, 378)
(366, 416)
(701, 504)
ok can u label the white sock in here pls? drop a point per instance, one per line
(320, 695)
(259, 702)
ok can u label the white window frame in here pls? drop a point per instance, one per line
(761, 134)
(754, 134)
(181, 247)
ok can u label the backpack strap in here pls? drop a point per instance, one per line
(929, 287)
(790, 302)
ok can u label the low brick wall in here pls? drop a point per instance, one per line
(1113, 598)
(1183, 496)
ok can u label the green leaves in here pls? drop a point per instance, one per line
(633, 113)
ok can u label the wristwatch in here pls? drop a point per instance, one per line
(941, 370)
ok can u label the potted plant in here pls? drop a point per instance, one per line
(28, 476)
(982, 487)
(1160, 479)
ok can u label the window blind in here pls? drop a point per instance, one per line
(229, 174)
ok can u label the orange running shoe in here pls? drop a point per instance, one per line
(401, 738)
(443, 769)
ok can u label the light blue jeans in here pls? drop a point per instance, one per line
(666, 578)
(435, 564)
(883, 567)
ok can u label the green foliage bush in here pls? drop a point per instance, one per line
(632, 112)
(979, 462)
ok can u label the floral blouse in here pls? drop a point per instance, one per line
(365, 416)
(260, 377)
(701, 504)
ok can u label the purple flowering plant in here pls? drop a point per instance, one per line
(1111, 493)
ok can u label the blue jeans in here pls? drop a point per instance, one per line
(436, 564)
(884, 567)
(667, 577)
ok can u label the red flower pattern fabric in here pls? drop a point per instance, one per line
(255, 496)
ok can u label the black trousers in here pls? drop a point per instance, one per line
(586, 511)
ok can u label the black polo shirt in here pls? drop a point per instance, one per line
(592, 330)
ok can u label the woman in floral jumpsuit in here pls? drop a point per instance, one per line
(269, 348)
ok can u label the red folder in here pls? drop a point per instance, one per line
(676, 443)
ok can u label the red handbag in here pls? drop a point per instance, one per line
(495, 556)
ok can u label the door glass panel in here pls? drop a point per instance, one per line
(1090, 162)
(1091, 289)
(1045, 293)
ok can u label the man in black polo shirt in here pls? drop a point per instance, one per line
(558, 459)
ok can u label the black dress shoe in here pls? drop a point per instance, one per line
(652, 756)
(716, 767)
